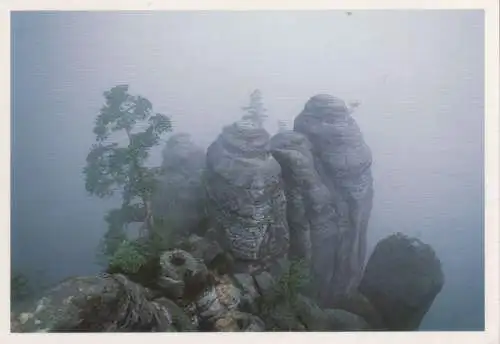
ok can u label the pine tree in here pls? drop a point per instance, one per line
(256, 111)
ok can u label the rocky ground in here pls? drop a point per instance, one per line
(188, 296)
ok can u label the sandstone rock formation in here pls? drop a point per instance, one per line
(343, 161)
(311, 216)
(245, 195)
(108, 303)
(402, 278)
(182, 275)
(304, 194)
(179, 196)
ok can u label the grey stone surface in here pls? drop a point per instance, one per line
(402, 278)
(341, 320)
(180, 320)
(264, 282)
(182, 275)
(246, 197)
(179, 196)
(109, 303)
(311, 215)
(202, 248)
(236, 321)
(357, 303)
(343, 161)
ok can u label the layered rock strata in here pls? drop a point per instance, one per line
(246, 197)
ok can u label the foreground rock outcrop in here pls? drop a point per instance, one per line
(245, 196)
(108, 303)
(343, 161)
(188, 297)
(402, 278)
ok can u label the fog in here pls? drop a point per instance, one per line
(418, 74)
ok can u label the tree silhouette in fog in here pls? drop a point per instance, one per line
(119, 165)
(255, 111)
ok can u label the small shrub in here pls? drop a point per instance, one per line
(128, 258)
(286, 289)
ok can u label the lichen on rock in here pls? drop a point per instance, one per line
(245, 194)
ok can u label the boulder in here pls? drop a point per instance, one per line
(208, 305)
(341, 320)
(264, 282)
(247, 285)
(107, 303)
(357, 303)
(245, 196)
(182, 275)
(180, 320)
(283, 318)
(202, 248)
(402, 278)
(303, 314)
(236, 321)
(310, 314)
(217, 302)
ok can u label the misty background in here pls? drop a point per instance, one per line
(418, 74)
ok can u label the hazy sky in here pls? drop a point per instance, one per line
(418, 75)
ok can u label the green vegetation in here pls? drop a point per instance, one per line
(281, 301)
(127, 258)
(139, 259)
(120, 165)
(292, 280)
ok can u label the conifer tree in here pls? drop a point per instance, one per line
(255, 111)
